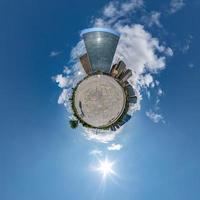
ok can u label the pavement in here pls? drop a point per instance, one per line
(99, 100)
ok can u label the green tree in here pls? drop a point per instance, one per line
(73, 123)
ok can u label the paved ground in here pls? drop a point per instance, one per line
(99, 100)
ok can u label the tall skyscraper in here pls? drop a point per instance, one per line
(100, 44)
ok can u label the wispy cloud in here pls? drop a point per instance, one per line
(176, 5)
(191, 65)
(114, 147)
(186, 46)
(155, 117)
(96, 152)
(152, 18)
(54, 53)
(67, 70)
(160, 92)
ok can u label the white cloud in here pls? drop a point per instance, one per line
(176, 5)
(146, 80)
(169, 51)
(139, 50)
(155, 19)
(64, 98)
(67, 70)
(103, 136)
(54, 53)
(131, 5)
(116, 10)
(114, 147)
(155, 117)
(63, 81)
(110, 10)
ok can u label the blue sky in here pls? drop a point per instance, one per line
(42, 158)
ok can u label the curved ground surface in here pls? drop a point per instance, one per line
(99, 100)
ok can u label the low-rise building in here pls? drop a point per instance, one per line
(86, 63)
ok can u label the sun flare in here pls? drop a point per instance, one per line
(106, 168)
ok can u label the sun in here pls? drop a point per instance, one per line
(105, 167)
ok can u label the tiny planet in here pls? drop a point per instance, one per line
(102, 98)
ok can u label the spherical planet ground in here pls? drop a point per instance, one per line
(99, 100)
